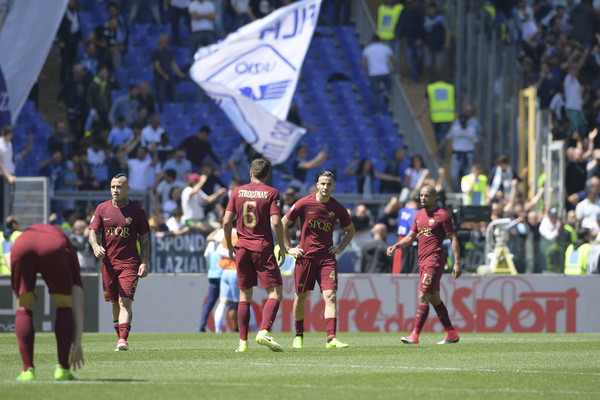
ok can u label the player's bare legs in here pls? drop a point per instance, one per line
(423, 311)
(299, 311)
(330, 298)
(116, 309)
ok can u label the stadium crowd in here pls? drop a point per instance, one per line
(111, 129)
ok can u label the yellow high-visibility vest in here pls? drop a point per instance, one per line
(576, 259)
(477, 196)
(441, 101)
(571, 231)
(5, 246)
(387, 19)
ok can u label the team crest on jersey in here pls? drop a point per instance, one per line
(431, 221)
(331, 215)
(128, 220)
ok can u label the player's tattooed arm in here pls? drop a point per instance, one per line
(144, 254)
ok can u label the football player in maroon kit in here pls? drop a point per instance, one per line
(315, 256)
(47, 249)
(256, 206)
(431, 225)
(116, 227)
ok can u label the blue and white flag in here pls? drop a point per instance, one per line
(27, 29)
(253, 72)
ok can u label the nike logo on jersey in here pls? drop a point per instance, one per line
(312, 212)
(105, 219)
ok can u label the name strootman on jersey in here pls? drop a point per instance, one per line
(254, 194)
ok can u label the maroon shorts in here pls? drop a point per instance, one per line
(254, 265)
(51, 256)
(311, 270)
(119, 282)
(430, 276)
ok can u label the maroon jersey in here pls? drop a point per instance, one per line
(431, 228)
(254, 203)
(318, 222)
(120, 228)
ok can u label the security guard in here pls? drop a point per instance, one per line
(474, 186)
(577, 253)
(7, 238)
(388, 15)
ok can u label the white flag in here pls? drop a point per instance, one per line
(27, 29)
(252, 75)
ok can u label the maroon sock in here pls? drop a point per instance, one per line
(124, 329)
(25, 335)
(442, 313)
(269, 314)
(64, 332)
(330, 324)
(422, 313)
(299, 327)
(116, 326)
(243, 319)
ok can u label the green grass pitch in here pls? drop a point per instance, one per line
(375, 366)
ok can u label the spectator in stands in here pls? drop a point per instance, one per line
(301, 165)
(157, 223)
(294, 118)
(472, 121)
(122, 33)
(585, 23)
(499, 179)
(365, 176)
(361, 218)
(465, 150)
(573, 96)
(163, 63)
(239, 163)
(105, 38)
(126, 105)
(84, 171)
(388, 15)
(260, 8)
(473, 186)
(178, 9)
(556, 240)
(7, 166)
(173, 202)
(193, 202)
(60, 139)
(180, 165)
(395, 167)
(164, 148)
(577, 253)
(202, 13)
(240, 13)
(141, 169)
(547, 85)
(90, 60)
(79, 239)
(588, 209)
(436, 38)
(69, 37)
(213, 181)
(121, 133)
(414, 177)
(53, 168)
(99, 96)
(165, 182)
(198, 147)
(373, 257)
(176, 223)
(575, 171)
(143, 118)
(96, 158)
(151, 5)
(410, 26)
(20, 163)
(72, 94)
(146, 98)
(151, 133)
(375, 59)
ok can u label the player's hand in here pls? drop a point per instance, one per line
(296, 252)
(390, 250)
(456, 270)
(232, 254)
(77, 360)
(143, 271)
(335, 250)
(99, 252)
(281, 257)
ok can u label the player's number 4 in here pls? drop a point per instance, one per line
(249, 218)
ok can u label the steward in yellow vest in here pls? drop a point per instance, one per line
(577, 253)
(440, 95)
(474, 186)
(7, 238)
(388, 15)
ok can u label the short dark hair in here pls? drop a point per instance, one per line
(120, 175)
(326, 174)
(503, 159)
(6, 129)
(171, 173)
(205, 129)
(260, 168)
(120, 118)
